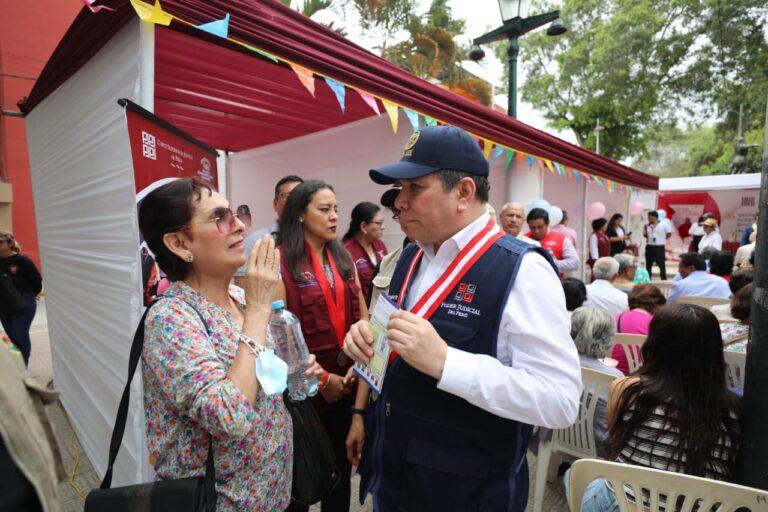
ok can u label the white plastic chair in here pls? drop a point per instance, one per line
(705, 302)
(695, 493)
(578, 440)
(664, 286)
(735, 368)
(632, 344)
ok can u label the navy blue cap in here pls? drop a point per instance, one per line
(433, 148)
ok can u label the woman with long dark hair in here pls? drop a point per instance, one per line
(363, 241)
(675, 413)
(321, 288)
(617, 235)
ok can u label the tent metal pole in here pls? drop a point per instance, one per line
(753, 470)
(147, 65)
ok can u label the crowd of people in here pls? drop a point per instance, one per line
(477, 361)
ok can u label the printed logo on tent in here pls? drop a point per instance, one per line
(148, 145)
(408, 151)
(466, 292)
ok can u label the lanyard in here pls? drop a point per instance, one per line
(426, 306)
(336, 305)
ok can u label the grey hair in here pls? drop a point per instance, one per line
(592, 330)
(605, 268)
(625, 261)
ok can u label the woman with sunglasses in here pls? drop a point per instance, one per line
(202, 341)
(363, 241)
(321, 288)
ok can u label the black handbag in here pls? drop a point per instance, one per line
(11, 299)
(193, 494)
(315, 472)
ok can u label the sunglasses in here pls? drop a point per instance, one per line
(225, 220)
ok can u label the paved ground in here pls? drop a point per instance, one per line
(82, 477)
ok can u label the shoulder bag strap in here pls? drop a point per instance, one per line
(122, 411)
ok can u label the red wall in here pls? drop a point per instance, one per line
(29, 32)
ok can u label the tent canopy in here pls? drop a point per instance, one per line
(705, 183)
(235, 100)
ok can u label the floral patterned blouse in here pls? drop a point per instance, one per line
(735, 336)
(187, 395)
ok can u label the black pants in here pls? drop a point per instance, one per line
(336, 421)
(656, 254)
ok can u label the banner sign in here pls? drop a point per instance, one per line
(161, 153)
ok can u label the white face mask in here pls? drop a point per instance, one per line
(272, 372)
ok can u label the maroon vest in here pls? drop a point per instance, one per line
(305, 299)
(363, 263)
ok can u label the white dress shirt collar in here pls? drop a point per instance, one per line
(458, 241)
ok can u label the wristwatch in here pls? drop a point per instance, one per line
(357, 410)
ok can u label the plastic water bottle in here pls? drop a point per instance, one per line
(291, 348)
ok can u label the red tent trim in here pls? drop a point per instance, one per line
(277, 29)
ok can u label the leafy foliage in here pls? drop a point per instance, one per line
(641, 64)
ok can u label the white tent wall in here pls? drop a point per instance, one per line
(569, 196)
(85, 209)
(340, 156)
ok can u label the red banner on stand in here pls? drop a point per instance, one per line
(161, 153)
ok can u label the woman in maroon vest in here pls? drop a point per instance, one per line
(363, 241)
(599, 243)
(321, 288)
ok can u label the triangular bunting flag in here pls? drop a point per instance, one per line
(531, 161)
(95, 8)
(508, 158)
(306, 77)
(430, 121)
(370, 101)
(549, 165)
(413, 117)
(497, 152)
(151, 13)
(339, 90)
(487, 146)
(260, 52)
(218, 28)
(391, 109)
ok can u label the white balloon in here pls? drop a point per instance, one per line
(540, 203)
(555, 215)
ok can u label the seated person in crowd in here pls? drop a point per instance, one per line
(695, 281)
(711, 236)
(738, 281)
(575, 293)
(721, 264)
(652, 413)
(644, 301)
(600, 292)
(736, 334)
(592, 330)
(741, 260)
(624, 279)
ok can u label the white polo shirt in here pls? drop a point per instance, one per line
(657, 234)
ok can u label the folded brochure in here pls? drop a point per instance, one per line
(373, 372)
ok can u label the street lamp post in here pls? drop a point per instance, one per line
(516, 24)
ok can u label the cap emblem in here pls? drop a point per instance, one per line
(408, 151)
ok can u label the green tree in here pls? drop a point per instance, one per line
(640, 64)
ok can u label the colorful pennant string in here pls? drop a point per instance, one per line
(218, 28)
(339, 90)
(151, 13)
(392, 112)
(497, 152)
(413, 118)
(508, 158)
(95, 8)
(306, 77)
(370, 101)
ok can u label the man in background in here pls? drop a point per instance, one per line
(560, 247)
(282, 191)
(512, 218)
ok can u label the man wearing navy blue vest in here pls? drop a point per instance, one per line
(483, 345)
